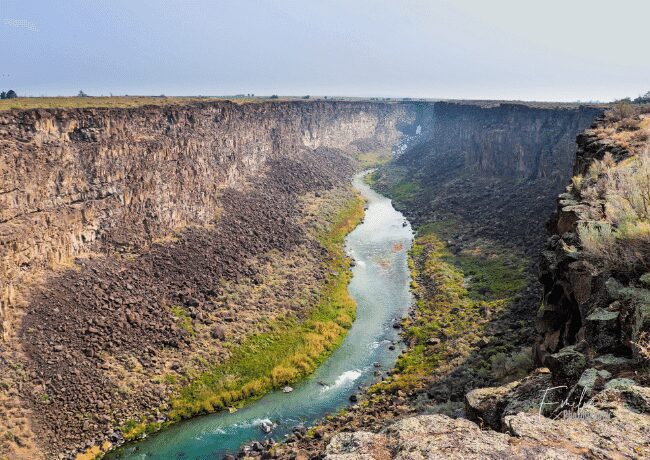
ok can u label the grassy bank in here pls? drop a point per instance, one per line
(399, 188)
(373, 159)
(456, 292)
(288, 352)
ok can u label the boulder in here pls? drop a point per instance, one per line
(613, 288)
(581, 274)
(360, 445)
(645, 280)
(610, 431)
(625, 397)
(438, 437)
(602, 329)
(527, 395)
(620, 384)
(613, 364)
(218, 332)
(590, 381)
(485, 405)
(567, 365)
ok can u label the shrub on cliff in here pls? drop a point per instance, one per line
(622, 110)
(645, 99)
(622, 238)
(513, 366)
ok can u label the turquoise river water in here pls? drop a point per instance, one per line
(380, 287)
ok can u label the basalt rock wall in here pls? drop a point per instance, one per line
(495, 166)
(597, 305)
(506, 140)
(83, 180)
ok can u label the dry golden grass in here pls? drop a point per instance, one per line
(26, 103)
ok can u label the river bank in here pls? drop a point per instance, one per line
(379, 286)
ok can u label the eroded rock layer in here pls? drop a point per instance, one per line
(595, 266)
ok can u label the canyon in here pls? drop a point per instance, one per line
(584, 393)
(144, 248)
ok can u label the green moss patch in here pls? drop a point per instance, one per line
(184, 319)
(373, 159)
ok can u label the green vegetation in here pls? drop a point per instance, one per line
(373, 177)
(645, 99)
(11, 94)
(134, 429)
(373, 159)
(454, 294)
(184, 319)
(404, 191)
(288, 352)
(443, 229)
(395, 185)
(491, 276)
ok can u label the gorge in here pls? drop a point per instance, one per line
(379, 286)
(164, 261)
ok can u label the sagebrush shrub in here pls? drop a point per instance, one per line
(622, 110)
(622, 239)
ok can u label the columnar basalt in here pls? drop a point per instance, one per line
(131, 237)
(495, 165)
(77, 181)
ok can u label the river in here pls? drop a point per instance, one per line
(380, 287)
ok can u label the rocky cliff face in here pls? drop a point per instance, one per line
(78, 181)
(592, 268)
(496, 166)
(135, 242)
(505, 140)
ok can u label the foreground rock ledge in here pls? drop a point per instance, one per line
(532, 436)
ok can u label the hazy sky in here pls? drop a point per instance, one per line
(484, 49)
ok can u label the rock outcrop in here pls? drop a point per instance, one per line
(529, 436)
(595, 301)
